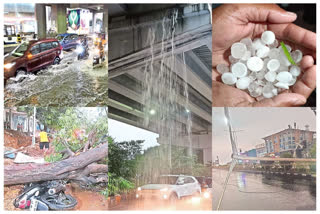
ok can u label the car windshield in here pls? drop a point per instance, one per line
(59, 37)
(167, 180)
(21, 49)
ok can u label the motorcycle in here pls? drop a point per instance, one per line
(82, 50)
(43, 196)
(99, 56)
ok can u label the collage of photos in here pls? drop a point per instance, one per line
(264, 65)
(143, 107)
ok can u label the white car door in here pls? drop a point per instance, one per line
(181, 187)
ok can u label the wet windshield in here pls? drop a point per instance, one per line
(21, 49)
(167, 180)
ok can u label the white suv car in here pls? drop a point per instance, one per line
(170, 187)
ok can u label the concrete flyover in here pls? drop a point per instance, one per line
(128, 54)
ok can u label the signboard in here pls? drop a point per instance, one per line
(78, 21)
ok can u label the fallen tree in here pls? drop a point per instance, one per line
(83, 168)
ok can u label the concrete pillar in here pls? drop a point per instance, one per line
(93, 22)
(62, 18)
(105, 19)
(41, 20)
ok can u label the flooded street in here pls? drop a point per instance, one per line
(87, 200)
(247, 191)
(71, 83)
(183, 204)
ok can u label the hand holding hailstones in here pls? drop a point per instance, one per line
(261, 67)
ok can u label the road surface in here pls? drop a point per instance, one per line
(247, 191)
(185, 204)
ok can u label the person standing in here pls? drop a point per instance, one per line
(44, 141)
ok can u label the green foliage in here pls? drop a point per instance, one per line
(286, 52)
(313, 154)
(122, 160)
(53, 157)
(117, 185)
(286, 155)
(313, 151)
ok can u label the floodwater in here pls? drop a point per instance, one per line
(182, 204)
(247, 191)
(87, 200)
(71, 83)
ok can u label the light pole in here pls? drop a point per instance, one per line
(34, 126)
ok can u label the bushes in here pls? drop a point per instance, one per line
(117, 185)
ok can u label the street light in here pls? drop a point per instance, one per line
(226, 120)
(152, 112)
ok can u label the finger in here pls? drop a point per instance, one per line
(225, 95)
(307, 83)
(295, 34)
(281, 100)
(306, 62)
(269, 13)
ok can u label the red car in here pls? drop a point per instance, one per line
(32, 56)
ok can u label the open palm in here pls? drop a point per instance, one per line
(231, 23)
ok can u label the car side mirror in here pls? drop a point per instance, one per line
(180, 182)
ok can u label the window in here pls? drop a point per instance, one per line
(45, 46)
(55, 44)
(188, 180)
(35, 50)
(74, 36)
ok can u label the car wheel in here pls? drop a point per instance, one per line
(173, 199)
(20, 73)
(56, 61)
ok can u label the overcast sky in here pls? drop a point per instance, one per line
(124, 132)
(253, 124)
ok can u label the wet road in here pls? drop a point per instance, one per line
(71, 83)
(183, 204)
(247, 191)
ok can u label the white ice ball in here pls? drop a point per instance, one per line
(268, 37)
(243, 83)
(239, 69)
(255, 64)
(284, 77)
(228, 78)
(273, 65)
(238, 50)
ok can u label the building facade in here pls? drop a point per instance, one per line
(261, 150)
(288, 139)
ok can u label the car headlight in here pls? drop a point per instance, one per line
(9, 65)
(139, 189)
(206, 195)
(164, 190)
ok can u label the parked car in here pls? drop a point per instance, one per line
(68, 40)
(32, 56)
(170, 187)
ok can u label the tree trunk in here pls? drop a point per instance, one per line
(78, 168)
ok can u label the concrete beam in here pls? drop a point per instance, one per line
(138, 97)
(182, 101)
(182, 43)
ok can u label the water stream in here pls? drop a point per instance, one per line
(165, 96)
(70, 83)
